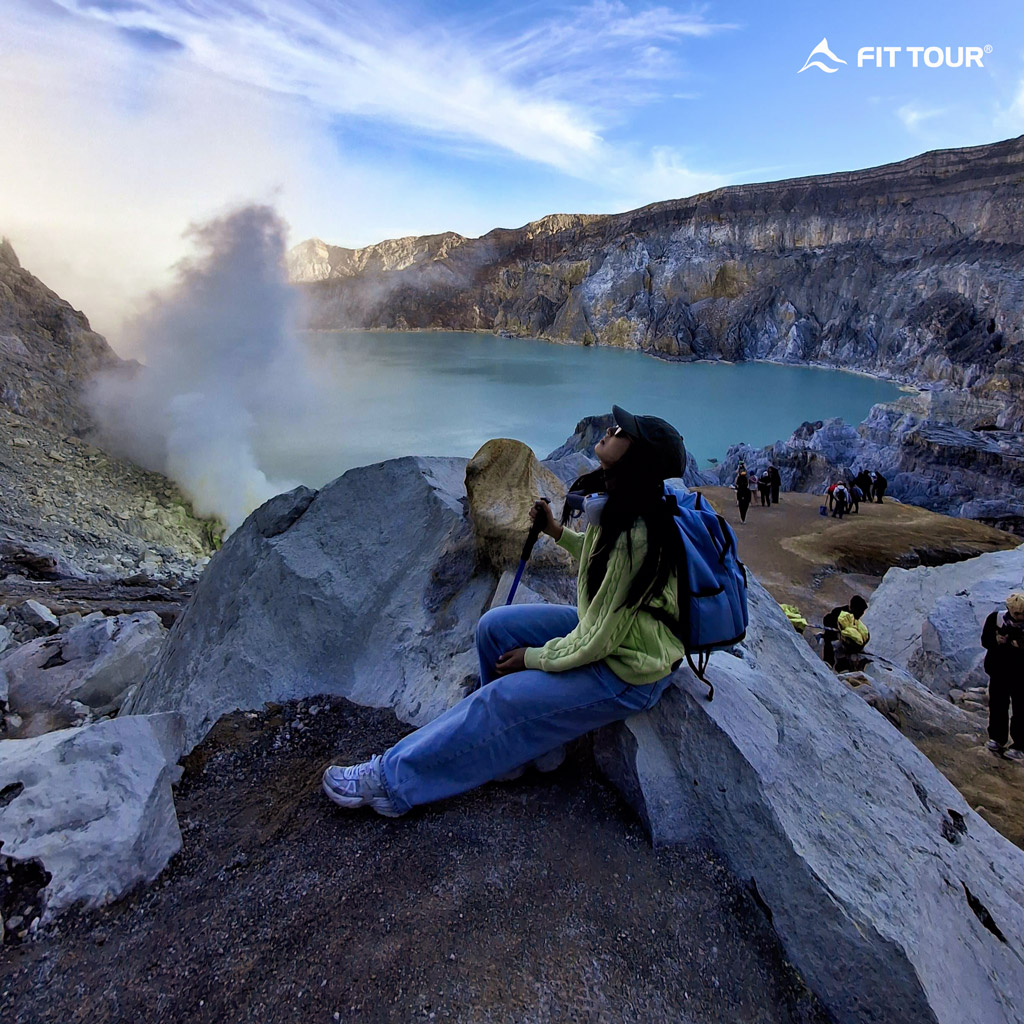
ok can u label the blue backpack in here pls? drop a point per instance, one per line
(712, 583)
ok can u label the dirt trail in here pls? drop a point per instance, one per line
(817, 562)
(534, 901)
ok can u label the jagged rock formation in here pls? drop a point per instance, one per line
(55, 682)
(910, 270)
(47, 350)
(64, 498)
(315, 260)
(375, 574)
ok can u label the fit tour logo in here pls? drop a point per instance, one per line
(822, 50)
(824, 59)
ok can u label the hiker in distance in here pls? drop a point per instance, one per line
(742, 485)
(551, 673)
(1003, 639)
(845, 635)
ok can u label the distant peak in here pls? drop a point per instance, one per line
(7, 253)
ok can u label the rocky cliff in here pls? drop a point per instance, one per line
(67, 504)
(910, 270)
(47, 350)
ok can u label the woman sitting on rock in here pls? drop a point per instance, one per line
(551, 673)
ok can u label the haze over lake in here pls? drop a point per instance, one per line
(444, 393)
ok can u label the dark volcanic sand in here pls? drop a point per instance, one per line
(534, 901)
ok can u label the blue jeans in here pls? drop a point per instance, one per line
(511, 719)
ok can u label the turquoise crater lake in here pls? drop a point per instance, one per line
(443, 393)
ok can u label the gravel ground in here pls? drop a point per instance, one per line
(533, 901)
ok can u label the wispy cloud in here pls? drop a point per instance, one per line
(543, 94)
(126, 121)
(913, 115)
(1009, 118)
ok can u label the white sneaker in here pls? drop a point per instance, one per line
(359, 785)
(1013, 754)
(996, 748)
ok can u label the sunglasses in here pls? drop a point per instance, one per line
(617, 432)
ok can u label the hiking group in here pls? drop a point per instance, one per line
(842, 497)
(768, 485)
(658, 581)
(846, 497)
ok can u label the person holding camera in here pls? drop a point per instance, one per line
(1003, 638)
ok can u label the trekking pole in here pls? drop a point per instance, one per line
(531, 539)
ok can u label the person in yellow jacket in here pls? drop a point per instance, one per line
(853, 634)
(550, 673)
(845, 634)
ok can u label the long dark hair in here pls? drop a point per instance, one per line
(635, 491)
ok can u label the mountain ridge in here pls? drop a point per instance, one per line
(909, 270)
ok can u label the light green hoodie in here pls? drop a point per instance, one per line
(635, 645)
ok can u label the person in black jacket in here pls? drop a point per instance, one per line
(1003, 639)
(764, 488)
(878, 486)
(863, 481)
(856, 497)
(742, 486)
(776, 482)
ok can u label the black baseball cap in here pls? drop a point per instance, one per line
(661, 439)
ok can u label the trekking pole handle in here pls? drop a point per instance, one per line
(533, 535)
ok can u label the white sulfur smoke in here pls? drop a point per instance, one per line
(221, 363)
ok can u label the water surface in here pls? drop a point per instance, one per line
(441, 393)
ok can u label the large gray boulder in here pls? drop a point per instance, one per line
(91, 665)
(915, 710)
(891, 896)
(93, 806)
(929, 620)
(366, 589)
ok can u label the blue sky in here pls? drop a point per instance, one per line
(129, 118)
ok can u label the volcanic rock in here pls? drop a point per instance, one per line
(38, 617)
(69, 509)
(92, 664)
(367, 589)
(47, 350)
(93, 806)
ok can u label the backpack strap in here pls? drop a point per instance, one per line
(703, 657)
